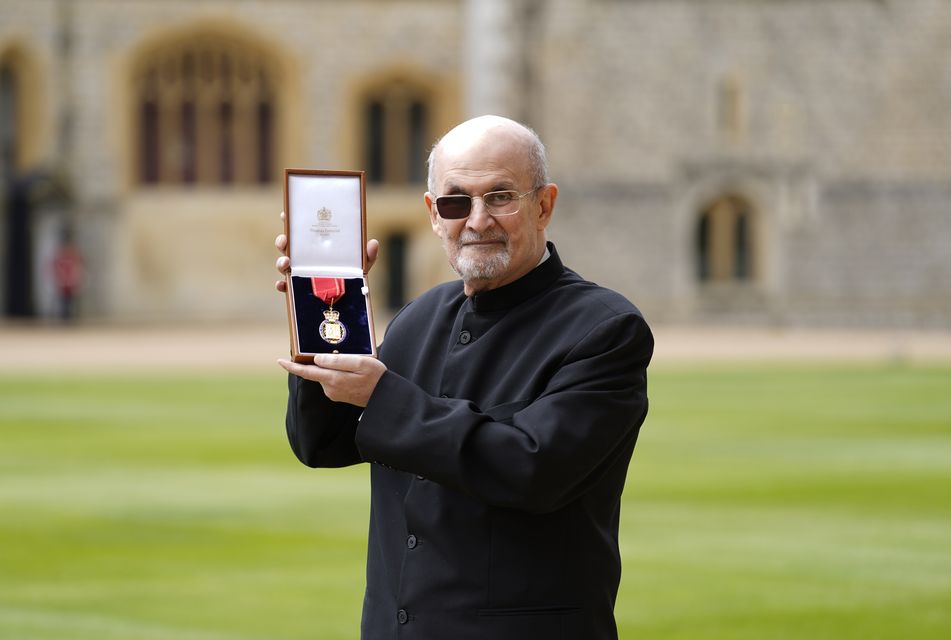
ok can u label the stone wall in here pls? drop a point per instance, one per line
(833, 118)
(841, 135)
(198, 253)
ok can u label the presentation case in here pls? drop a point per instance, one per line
(328, 295)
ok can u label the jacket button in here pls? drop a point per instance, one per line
(411, 542)
(401, 616)
(465, 337)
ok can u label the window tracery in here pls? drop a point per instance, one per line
(205, 113)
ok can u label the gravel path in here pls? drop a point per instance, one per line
(128, 348)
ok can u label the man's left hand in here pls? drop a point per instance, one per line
(344, 377)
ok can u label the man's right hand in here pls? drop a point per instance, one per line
(284, 263)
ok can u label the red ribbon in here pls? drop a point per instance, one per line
(328, 289)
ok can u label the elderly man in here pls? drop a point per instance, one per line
(500, 418)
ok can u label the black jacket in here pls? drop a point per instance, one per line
(500, 436)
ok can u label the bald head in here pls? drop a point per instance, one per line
(496, 133)
(489, 154)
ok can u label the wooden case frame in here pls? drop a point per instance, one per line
(296, 353)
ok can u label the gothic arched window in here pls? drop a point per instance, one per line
(205, 113)
(396, 125)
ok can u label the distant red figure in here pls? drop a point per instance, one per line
(68, 273)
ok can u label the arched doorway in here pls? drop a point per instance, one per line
(725, 247)
(15, 237)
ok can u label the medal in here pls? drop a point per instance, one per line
(330, 290)
(331, 329)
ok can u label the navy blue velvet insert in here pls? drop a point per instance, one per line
(309, 310)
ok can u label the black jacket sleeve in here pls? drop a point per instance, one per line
(320, 431)
(541, 455)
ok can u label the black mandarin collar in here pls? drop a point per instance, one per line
(533, 282)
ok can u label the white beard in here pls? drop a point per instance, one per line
(471, 268)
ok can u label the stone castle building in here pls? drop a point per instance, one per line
(782, 162)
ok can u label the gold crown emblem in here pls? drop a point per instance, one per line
(332, 315)
(324, 214)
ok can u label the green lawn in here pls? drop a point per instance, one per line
(763, 502)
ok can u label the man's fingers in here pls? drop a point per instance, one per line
(344, 377)
(281, 240)
(337, 384)
(340, 362)
(283, 263)
(373, 250)
(306, 371)
(291, 367)
(326, 366)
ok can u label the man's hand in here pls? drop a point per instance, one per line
(284, 263)
(344, 377)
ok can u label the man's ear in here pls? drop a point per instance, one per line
(428, 199)
(547, 204)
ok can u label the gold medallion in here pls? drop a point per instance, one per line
(331, 329)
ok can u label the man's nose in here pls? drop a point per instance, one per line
(479, 218)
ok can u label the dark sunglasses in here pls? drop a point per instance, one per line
(496, 203)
